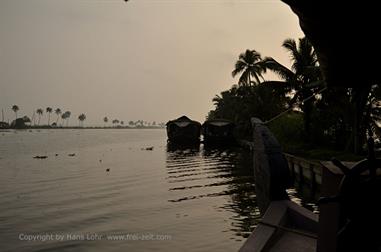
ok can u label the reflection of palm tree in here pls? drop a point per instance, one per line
(250, 65)
(81, 118)
(39, 112)
(58, 112)
(15, 108)
(105, 120)
(49, 110)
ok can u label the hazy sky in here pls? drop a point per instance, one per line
(144, 59)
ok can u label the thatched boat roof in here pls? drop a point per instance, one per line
(183, 121)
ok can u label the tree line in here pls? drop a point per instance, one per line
(61, 117)
(62, 120)
(319, 116)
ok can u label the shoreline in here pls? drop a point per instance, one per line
(73, 127)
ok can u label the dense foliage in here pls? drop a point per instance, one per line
(318, 117)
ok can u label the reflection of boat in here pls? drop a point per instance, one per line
(192, 147)
(183, 130)
(218, 131)
(348, 212)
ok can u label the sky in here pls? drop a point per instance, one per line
(151, 60)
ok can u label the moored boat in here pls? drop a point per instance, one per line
(348, 210)
(218, 131)
(183, 130)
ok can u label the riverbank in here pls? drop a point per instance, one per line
(88, 127)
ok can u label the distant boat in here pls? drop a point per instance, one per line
(218, 131)
(183, 130)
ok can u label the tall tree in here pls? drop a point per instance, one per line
(39, 112)
(303, 77)
(15, 108)
(49, 110)
(249, 64)
(68, 114)
(63, 117)
(105, 120)
(58, 113)
(115, 121)
(81, 119)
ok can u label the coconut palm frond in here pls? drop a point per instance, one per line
(243, 80)
(279, 69)
(239, 67)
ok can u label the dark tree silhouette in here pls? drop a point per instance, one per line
(39, 112)
(303, 76)
(250, 65)
(49, 110)
(58, 113)
(81, 119)
(15, 108)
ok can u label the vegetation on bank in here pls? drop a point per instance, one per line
(62, 121)
(319, 121)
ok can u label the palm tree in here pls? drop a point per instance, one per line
(131, 123)
(105, 120)
(68, 114)
(302, 78)
(15, 108)
(49, 110)
(63, 117)
(122, 123)
(39, 112)
(250, 65)
(58, 112)
(115, 121)
(81, 118)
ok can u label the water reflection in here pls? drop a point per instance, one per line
(199, 172)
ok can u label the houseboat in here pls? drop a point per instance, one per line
(183, 130)
(218, 131)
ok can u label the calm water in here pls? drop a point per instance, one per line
(165, 199)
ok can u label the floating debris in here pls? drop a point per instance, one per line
(40, 157)
(71, 155)
(108, 169)
(100, 160)
(148, 148)
(56, 154)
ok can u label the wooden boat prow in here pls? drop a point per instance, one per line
(285, 226)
